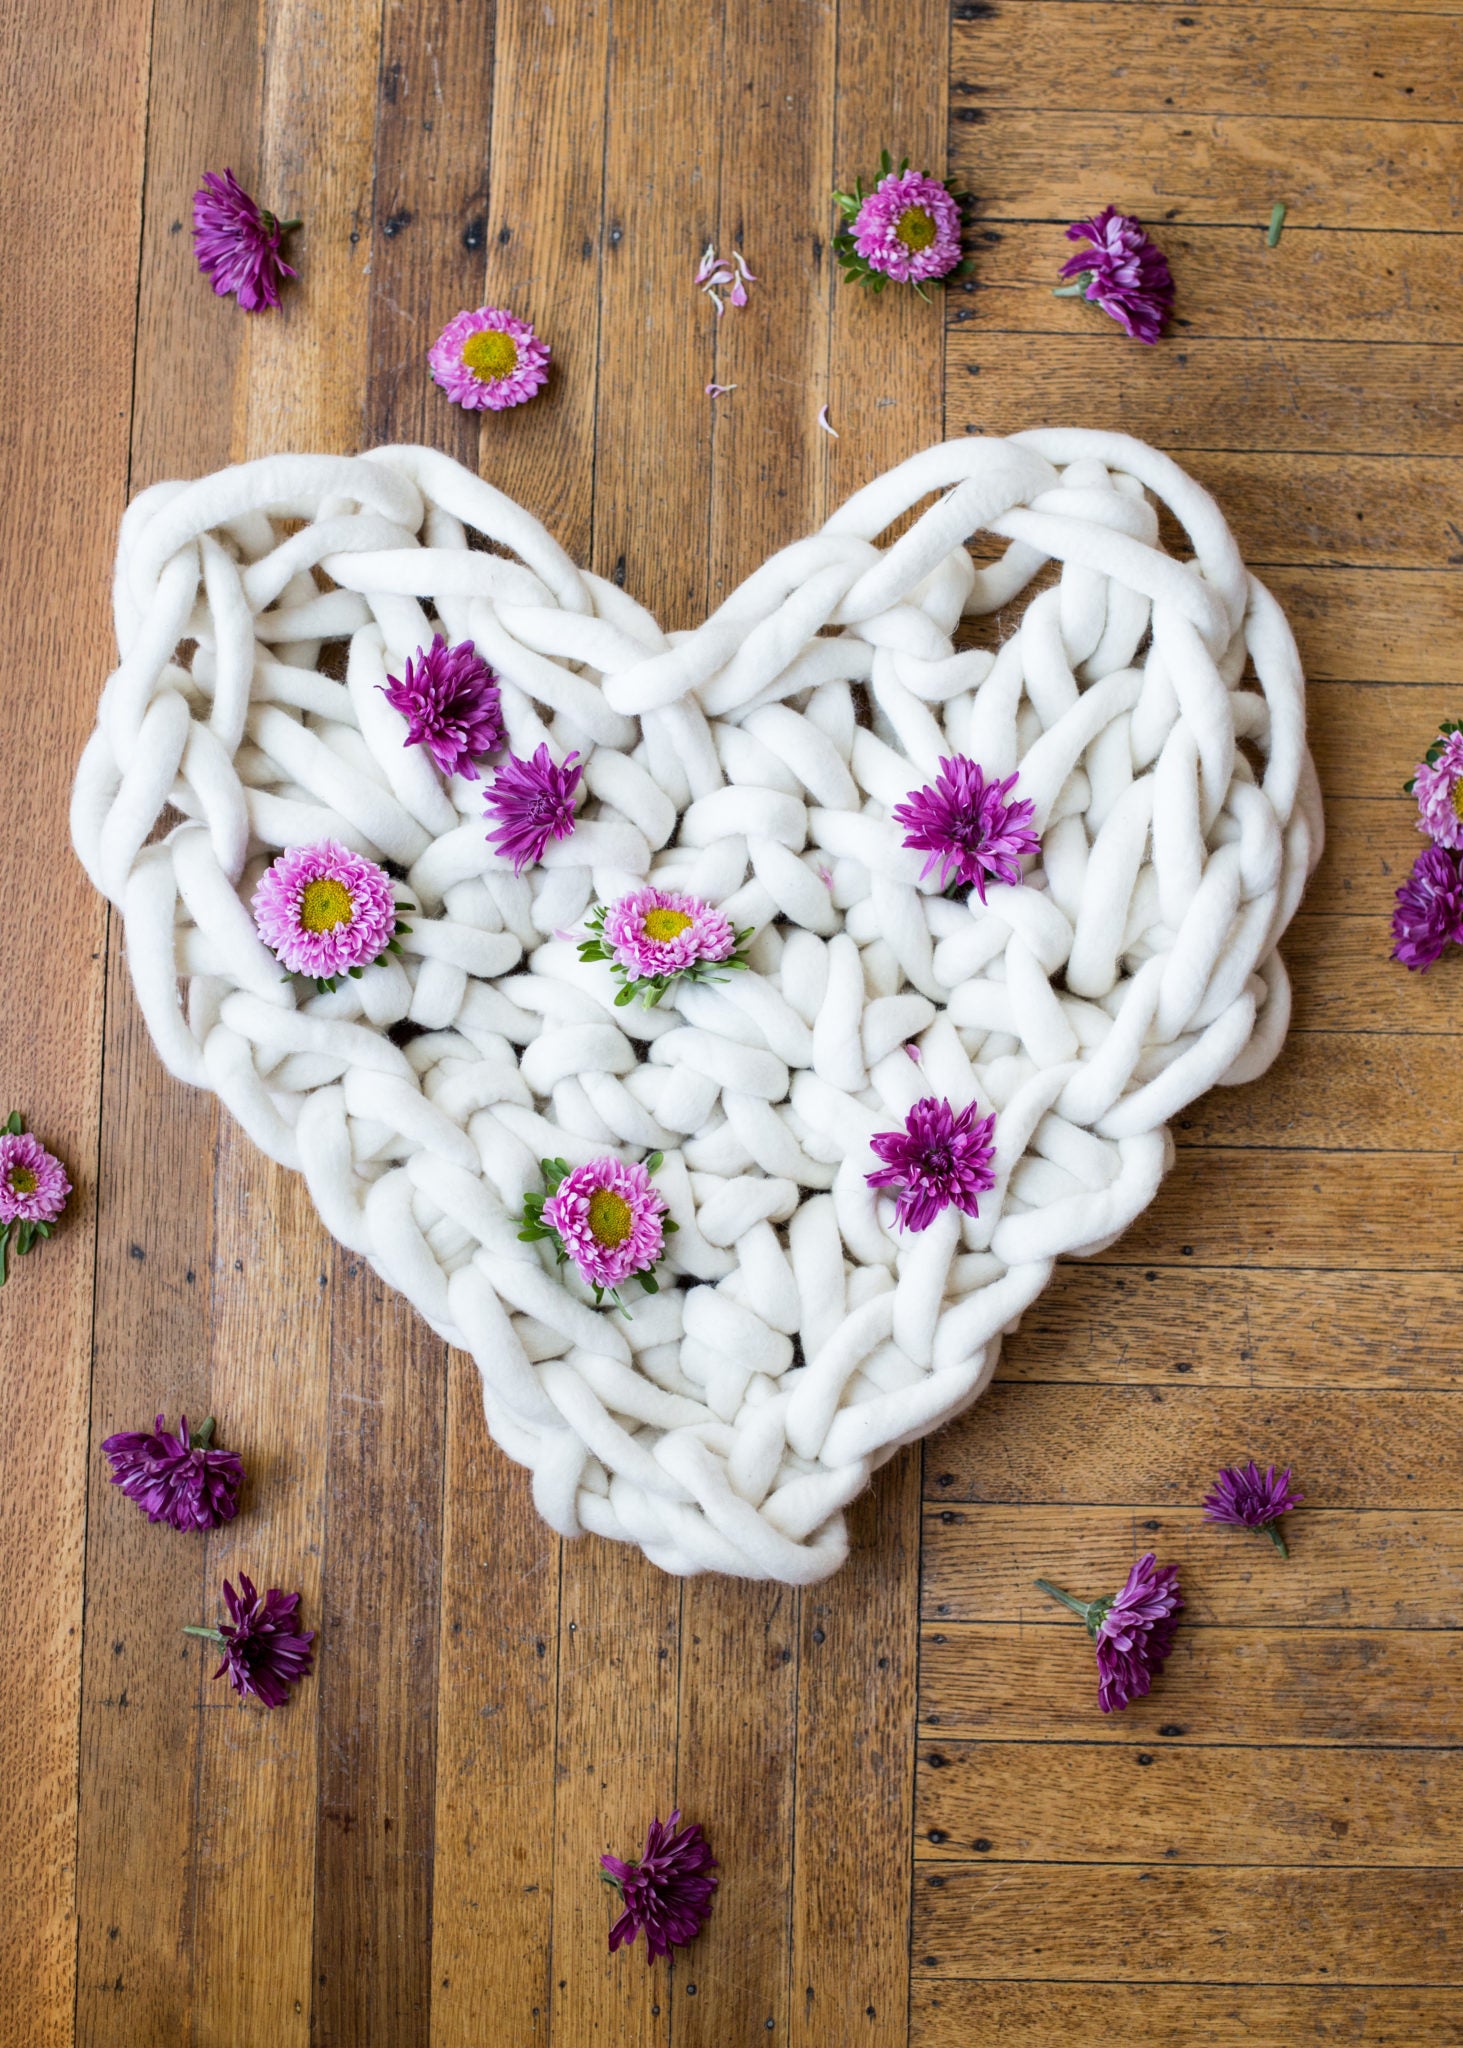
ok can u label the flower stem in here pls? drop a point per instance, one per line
(209, 1634)
(1067, 1599)
(200, 1438)
(1272, 1530)
(1075, 289)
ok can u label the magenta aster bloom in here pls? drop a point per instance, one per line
(1122, 271)
(1429, 912)
(181, 1480)
(1247, 1498)
(653, 935)
(907, 229)
(1438, 783)
(265, 1651)
(532, 802)
(237, 242)
(667, 1892)
(939, 1160)
(449, 699)
(488, 359)
(967, 827)
(1133, 1630)
(325, 911)
(607, 1217)
(33, 1183)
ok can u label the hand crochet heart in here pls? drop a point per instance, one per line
(800, 1335)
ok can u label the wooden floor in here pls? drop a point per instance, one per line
(927, 1832)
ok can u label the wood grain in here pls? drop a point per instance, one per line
(1341, 1091)
(945, 2014)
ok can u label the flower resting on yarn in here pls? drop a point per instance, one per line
(968, 826)
(237, 243)
(33, 1190)
(667, 1890)
(265, 1651)
(1122, 271)
(183, 1480)
(529, 803)
(940, 1160)
(607, 1217)
(1132, 1631)
(324, 911)
(653, 937)
(907, 230)
(1437, 782)
(449, 699)
(1247, 1498)
(489, 360)
(1428, 916)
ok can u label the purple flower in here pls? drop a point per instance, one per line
(265, 1651)
(449, 699)
(1429, 912)
(1247, 1498)
(907, 229)
(325, 911)
(532, 803)
(938, 1160)
(181, 1480)
(607, 1217)
(1438, 782)
(237, 242)
(1133, 1630)
(1122, 271)
(967, 827)
(489, 359)
(652, 936)
(667, 1892)
(33, 1183)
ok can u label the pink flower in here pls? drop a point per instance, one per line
(532, 802)
(237, 242)
(1438, 783)
(938, 1161)
(489, 359)
(607, 1217)
(449, 699)
(653, 935)
(33, 1184)
(967, 826)
(716, 274)
(667, 1891)
(324, 911)
(907, 229)
(1123, 272)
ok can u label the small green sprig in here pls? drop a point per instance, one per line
(20, 1235)
(534, 1228)
(1445, 730)
(856, 268)
(327, 983)
(651, 987)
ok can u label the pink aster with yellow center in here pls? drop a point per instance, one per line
(449, 698)
(489, 359)
(33, 1184)
(653, 937)
(906, 231)
(608, 1218)
(325, 911)
(1438, 786)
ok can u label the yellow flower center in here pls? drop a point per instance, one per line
(663, 924)
(916, 227)
(610, 1217)
(1458, 799)
(22, 1181)
(490, 354)
(325, 904)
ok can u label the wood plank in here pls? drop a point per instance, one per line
(1060, 54)
(985, 2015)
(1370, 626)
(1240, 1329)
(1341, 1091)
(1366, 738)
(1038, 1683)
(1039, 1802)
(1333, 966)
(1136, 1446)
(1370, 1926)
(1371, 844)
(1387, 1568)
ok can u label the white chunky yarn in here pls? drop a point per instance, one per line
(753, 762)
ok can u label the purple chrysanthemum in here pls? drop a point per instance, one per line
(265, 1651)
(532, 802)
(656, 933)
(489, 359)
(33, 1184)
(1123, 272)
(608, 1217)
(1247, 1498)
(939, 1160)
(324, 911)
(1132, 1631)
(181, 1480)
(1429, 912)
(667, 1891)
(968, 827)
(449, 699)
(237, 242)
(1438, 785)
(908, 228)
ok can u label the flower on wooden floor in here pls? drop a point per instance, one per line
(1122, 271)
(34, 1187)
(1132, 1630)
(940, 1160)
(1437, 783)
(667, 1890)
(449, 699)
(608, 1217)
(183, 1480)
(324, 911)
(489, 359)
(1247, 1498)
(969, 827)
(1429, 912)
(906, 231)
(265, 1650)
(529, 803)
(653, 937)
(237, 243)
(717, 274)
